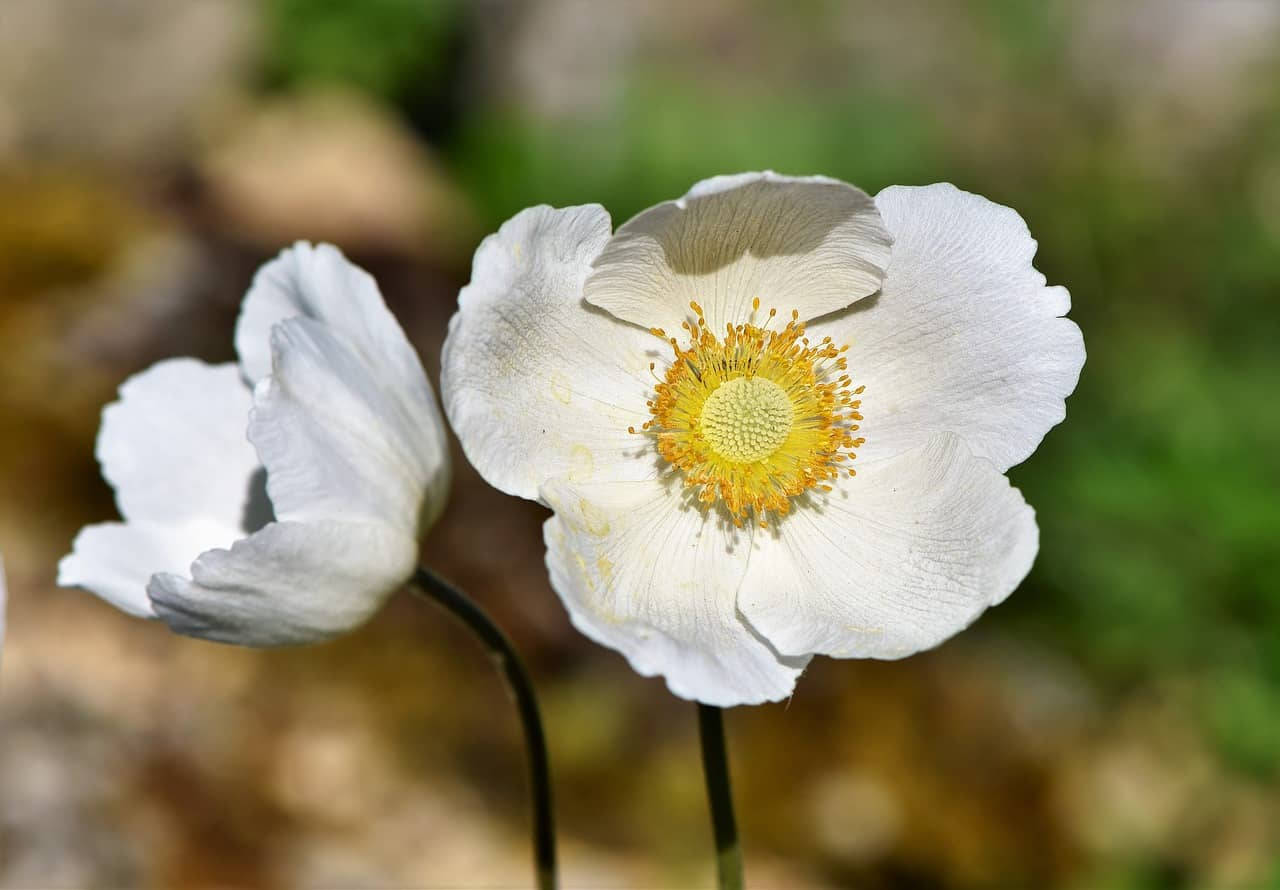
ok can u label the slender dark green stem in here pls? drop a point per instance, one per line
(715, 765)
(521, 687)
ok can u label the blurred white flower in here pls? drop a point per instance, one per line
(708, 523)
(302, 529)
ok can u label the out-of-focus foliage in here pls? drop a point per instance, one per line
(1114, 725)
(397, 49)
(665, 134)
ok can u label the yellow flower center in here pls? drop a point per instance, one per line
(757, 416)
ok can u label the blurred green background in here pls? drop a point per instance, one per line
(1114, 725)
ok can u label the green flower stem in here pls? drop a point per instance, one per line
(715, 765)
(434, 587)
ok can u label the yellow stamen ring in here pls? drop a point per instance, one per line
(756, 417)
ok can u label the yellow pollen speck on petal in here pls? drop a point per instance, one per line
(582, 464)
(596, 522)
(560, 388)
(756, 416)
(584, 572)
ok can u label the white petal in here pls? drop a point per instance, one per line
(643, 572)
(347, 424)
(174, 445)
(320, 283)
(809, 243)
(116, 560)
(536, 383)
(897, 559)
(343, 437)
(964, 336)
(290, 582)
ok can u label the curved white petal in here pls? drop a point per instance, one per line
(348, 430)
(174, 447)
(536, 383)
(342, 437)
(353, 443)
(115, 560)
(964, 336)
(810, 243)
(290, 582)
(643, 572)
(318, 282)
(897, 559)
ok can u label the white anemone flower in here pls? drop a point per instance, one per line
(299, 530)
(687, 394)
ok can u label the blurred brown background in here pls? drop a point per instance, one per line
(1115, 725)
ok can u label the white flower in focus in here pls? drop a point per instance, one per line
(302, 529)
(688, 395)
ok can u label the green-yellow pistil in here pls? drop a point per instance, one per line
(755, 416)
(746, 419)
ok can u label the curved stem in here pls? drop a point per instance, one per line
(513, 670)
(715, 765)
